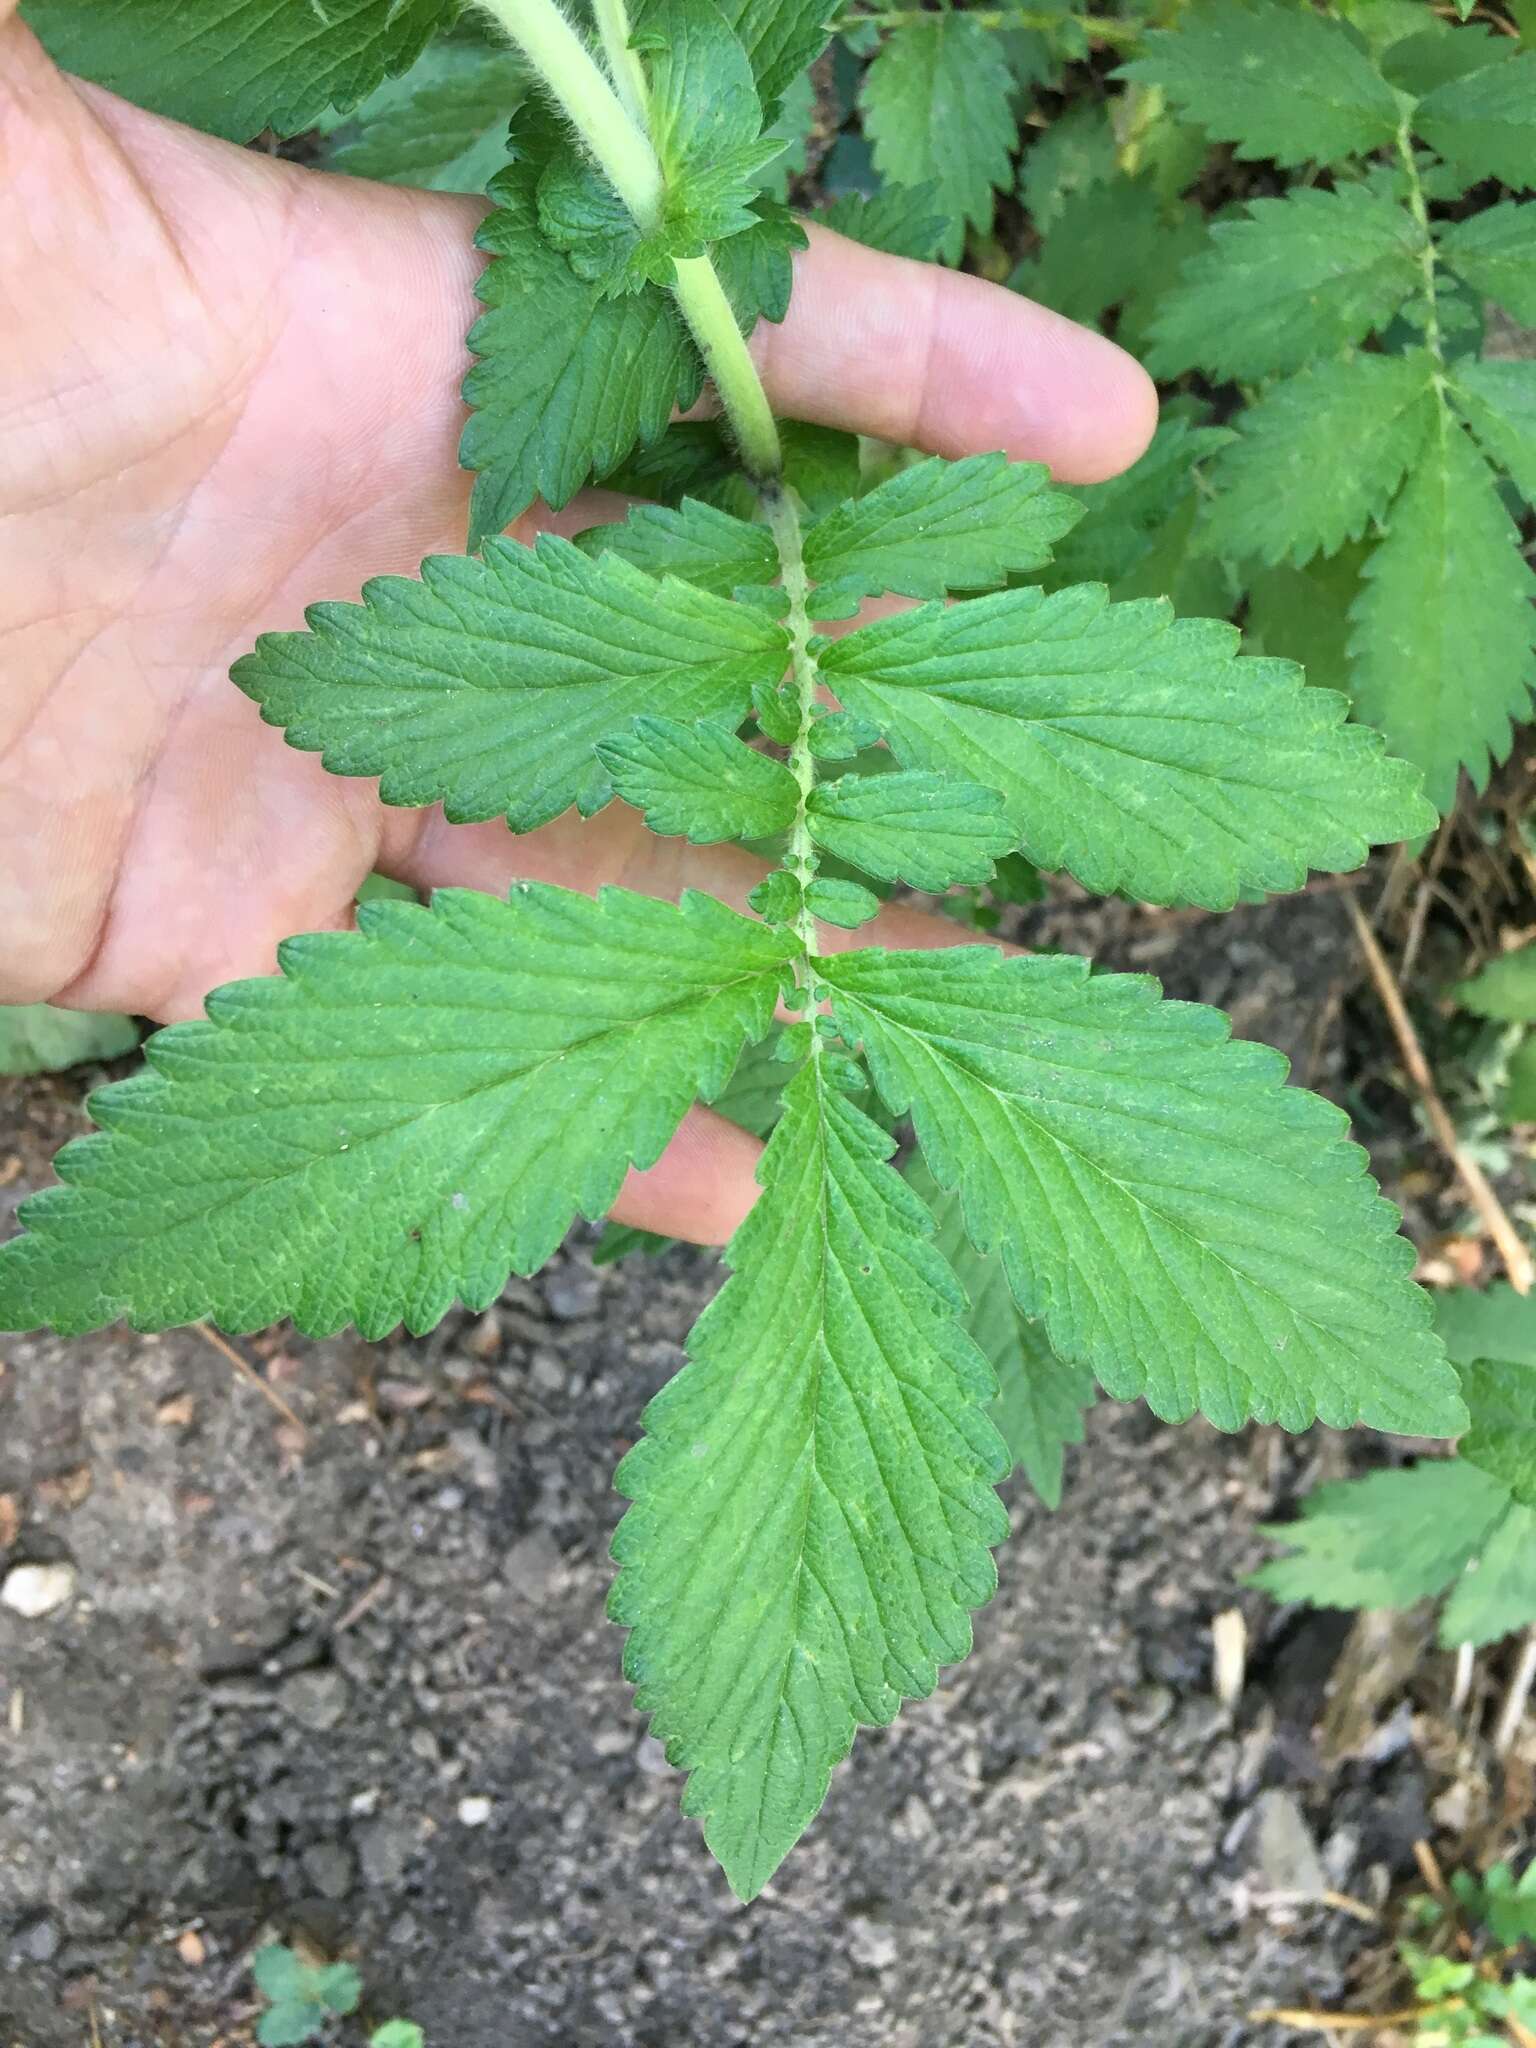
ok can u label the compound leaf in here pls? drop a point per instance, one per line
(938, 112)
(1387, 1540)
(486, 685)
(1193, 1231)
(1498, 402)
(1442, 626)
(813, 1502)
(1278, 80)
(234, 67)
(1283, 491)
(696, 543)
(699, 780)
(941, 526)
(443, 126)
(1484, 125)
(404, 1116)
(1300, 277)
(1041, 1399)
(1495, 251)
(926, 830)
(569, 381)
(1131, 748)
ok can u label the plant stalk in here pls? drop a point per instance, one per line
(1434, 340)
(618, 139)
(619, 143)
(801, 860)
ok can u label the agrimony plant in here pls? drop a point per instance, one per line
(413, 1109)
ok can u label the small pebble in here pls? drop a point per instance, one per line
(317, 1699)
(474, 1812)
(33, 1590)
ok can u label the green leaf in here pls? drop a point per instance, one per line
(338, 1987)
(1499, 1596)
(781, 38)
(937, 105)
(1129, 517)
(941, 526)
(397, 2034)
(1485, 124)
(1110, 242)
(1300, 277)
(279, 1973)
(1130, 747)
(1387, 1540)
(1492, 1322)
(1041, 1400)
(900, 220)
(35, 1038)
(1520, 1082)
(1501, 1398)
(1303, 614)
(1434, 54)
(443, 126)
(403, 1118)
(1505, 989)
(1194, 1232)
(694, 542)
(1498, 402)
(813, 1507)
(699, 780)
(569, 382)
(1276, 79)
(845, 904)
(292, 2022)
(1495, 251)
(1283, 491)
(926, 830)
(234, 67)
(756, 268)
(486, 685)
(1442, 625)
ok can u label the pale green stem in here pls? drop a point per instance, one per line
(801, 859)
(628, 72)
(1433, 338)
(701, 296)
(594, 109)
(625, 153)
(1097, 27)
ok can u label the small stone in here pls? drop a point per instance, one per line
(329, 1868)
(384, 1849)
(572, 1292)
(316, 1699)
(38, 1939)
(475, 1811)
(613, 1741)
(400, 1396)
(192, 1949)
(1285, 1857)
(531, 1565)
(871, 1946)
(33, 1590)
(651, 1757)
(547, 1373)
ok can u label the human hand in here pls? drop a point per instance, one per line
(232, 388)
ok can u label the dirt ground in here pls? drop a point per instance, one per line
(352, 1682)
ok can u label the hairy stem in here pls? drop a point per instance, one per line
(801, 859)
(702, 301)
(625, 66)
(621, 146)
(1433, 339)
(618, 139)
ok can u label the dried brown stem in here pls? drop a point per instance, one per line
(248, 1371)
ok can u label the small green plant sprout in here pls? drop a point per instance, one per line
(302, 1999)
(1459, 1530)
(1125, 1196)
(397, 2034)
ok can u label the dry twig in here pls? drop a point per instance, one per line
(243, 1366)
(1517, 1699)
(1517, 1260)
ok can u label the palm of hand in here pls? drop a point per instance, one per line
(232, 389)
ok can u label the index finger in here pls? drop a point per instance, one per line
(938, 360)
